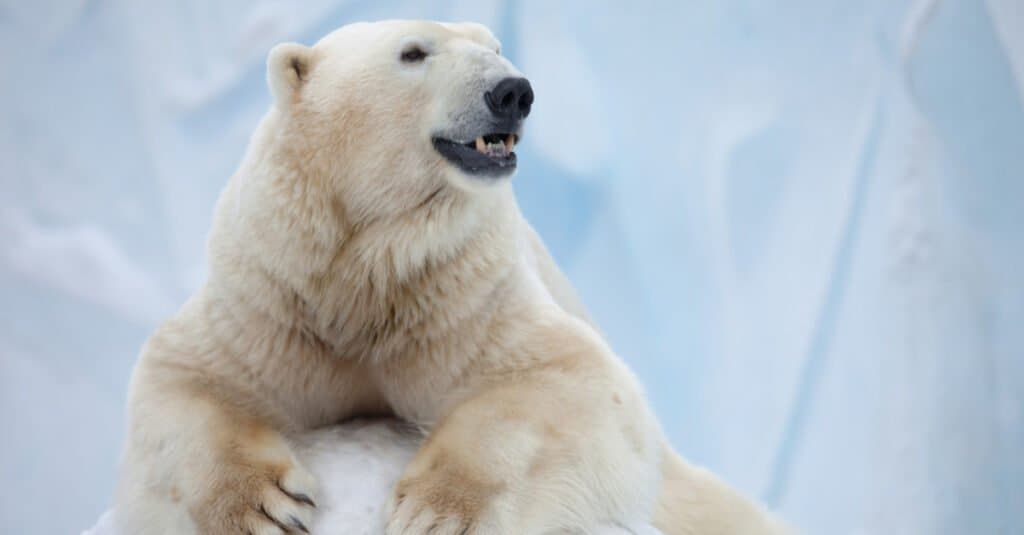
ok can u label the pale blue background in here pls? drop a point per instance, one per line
(801, 222)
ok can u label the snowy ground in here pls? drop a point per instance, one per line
(801, 222)
(357, 464)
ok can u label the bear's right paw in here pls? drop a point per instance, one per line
(268, 499)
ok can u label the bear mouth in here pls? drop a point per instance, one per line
(488, 155)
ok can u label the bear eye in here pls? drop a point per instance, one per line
(413, 54)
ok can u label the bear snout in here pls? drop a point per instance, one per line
(510, 99)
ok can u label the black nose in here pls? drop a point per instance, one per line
(510, 99)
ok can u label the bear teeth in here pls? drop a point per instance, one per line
(497, 149)
(500, 148)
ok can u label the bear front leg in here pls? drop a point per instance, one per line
(196, 463)
(565, 446)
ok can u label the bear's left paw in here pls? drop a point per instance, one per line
(435, 505)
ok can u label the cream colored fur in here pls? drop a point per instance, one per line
(353, 271)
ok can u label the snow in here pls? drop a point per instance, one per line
(801, 223)
(357, 464)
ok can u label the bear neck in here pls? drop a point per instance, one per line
(363, 289)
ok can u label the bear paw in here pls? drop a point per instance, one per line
(435, 506)
(267, 500)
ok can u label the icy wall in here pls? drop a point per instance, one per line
(801, 222)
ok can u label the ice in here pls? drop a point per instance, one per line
(801, 223)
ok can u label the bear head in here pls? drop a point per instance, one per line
(387, 114)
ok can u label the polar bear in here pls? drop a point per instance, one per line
(368, 258)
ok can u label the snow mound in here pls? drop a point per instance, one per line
(357, 464)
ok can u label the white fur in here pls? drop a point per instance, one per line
(354, 271)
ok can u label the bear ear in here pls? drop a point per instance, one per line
(288, 66)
